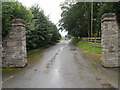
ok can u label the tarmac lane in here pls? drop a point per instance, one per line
(62, 66)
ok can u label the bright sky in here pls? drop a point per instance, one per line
(50, 7)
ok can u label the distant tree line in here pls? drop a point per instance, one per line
(77, 18)
(40, 31)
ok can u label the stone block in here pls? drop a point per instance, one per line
(15, 46)
(12, 43)
(110, 41)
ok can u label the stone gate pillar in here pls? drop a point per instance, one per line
(110, 44)
(14, 46)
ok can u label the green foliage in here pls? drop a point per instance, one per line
(40, 31)
(13, 10)
(99, 9)
(43, 32)
(76, 17)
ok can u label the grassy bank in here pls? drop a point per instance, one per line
(91, 47)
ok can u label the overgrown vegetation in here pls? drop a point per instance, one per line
(40, 31)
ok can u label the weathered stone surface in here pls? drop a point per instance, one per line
(0, 53)
(14, 46)
(110, 40)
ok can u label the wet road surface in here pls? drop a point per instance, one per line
(62, 66)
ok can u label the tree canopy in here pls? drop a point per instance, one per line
(78, 20)
(40, 31)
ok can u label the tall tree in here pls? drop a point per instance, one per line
(76, 19)
(12, 10)
(40, 31)
(99, 9)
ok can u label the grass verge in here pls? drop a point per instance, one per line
(88, 47)
(91, 47)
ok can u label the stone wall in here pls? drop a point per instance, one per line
(14, 46)
(110, 43)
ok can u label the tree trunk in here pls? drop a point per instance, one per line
(89, 29)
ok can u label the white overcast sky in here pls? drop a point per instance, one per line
(50, 7)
